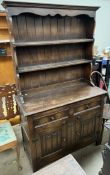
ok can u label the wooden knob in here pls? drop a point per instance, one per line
(87, 106)
(63, 122)
(64, 139)
(52, 118)
(48, 136)
(71, 111)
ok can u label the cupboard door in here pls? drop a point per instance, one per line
(50, 141)
(88, 123)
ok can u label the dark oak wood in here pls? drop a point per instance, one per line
(51, 65)
(52, 48)
(57, 42)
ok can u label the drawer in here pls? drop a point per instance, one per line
(88, 113)
(87, 104)
(50, 116)
(52, 125)
(68, 110)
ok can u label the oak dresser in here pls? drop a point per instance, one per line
(52, 53)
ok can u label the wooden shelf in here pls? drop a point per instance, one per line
(3, 13)
(4, 41)
(3, 27)
(51, 65)
(55, 42)
(4, 56)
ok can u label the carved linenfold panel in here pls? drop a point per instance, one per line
(51, 142)
(89, 123)
(72, 135)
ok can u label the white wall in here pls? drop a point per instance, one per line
(102, 30)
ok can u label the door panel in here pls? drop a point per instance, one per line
(51, 142)
(72, 135)
(51, 139)
(87, 121)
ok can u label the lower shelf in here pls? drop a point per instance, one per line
(24, 69)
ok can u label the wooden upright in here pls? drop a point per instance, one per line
(7, 75)
(52, 47)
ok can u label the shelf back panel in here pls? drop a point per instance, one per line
(53, 76)
(31, 27)
(28, 56)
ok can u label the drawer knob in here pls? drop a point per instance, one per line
(87, 106)
(71, 112)
(64, 139)
(48, 136)
(63, 122)
(52, 118)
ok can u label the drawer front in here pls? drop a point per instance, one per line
(50, 117)
(87, 104)
(51, 120)
(50, 126)
(68, 111)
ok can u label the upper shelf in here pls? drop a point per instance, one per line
(24, 69)
(53, 42)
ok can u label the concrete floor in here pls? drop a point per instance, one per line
(89, 158)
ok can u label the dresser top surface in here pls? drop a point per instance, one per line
(36, 102)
